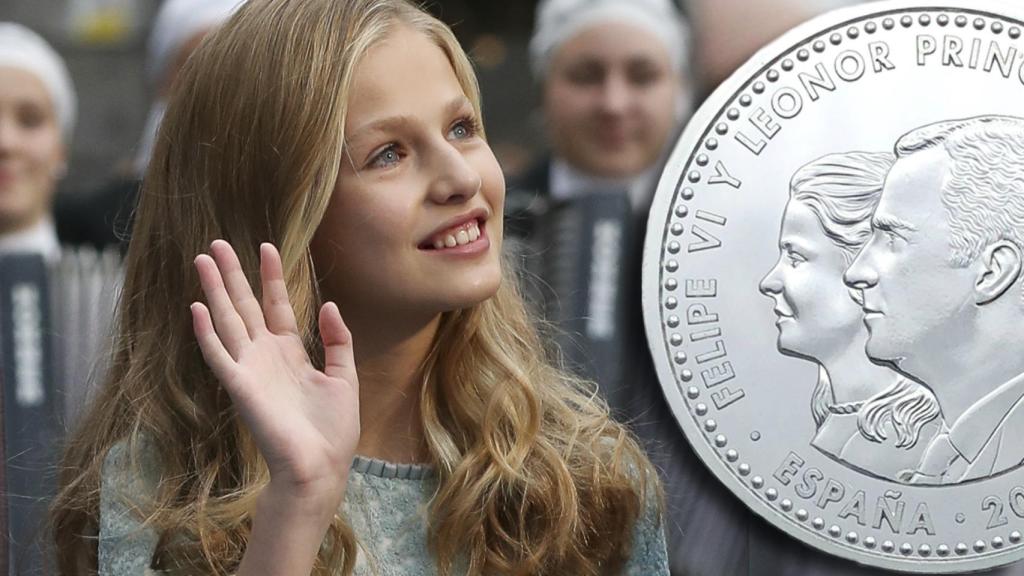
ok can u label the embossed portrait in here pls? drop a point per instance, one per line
(867, 416)
(943, 292)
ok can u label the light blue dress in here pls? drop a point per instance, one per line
(385, 503)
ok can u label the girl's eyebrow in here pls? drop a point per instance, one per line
(394, 122)
(793, 244)
(380, 125)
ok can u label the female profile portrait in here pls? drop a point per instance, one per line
(866, 415)
(321, 364)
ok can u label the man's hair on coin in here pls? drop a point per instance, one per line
(984, 191)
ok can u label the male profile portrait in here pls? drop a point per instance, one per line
(943, 288)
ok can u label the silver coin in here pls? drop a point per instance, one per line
(834, 284)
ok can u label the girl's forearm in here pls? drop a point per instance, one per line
(287, 532)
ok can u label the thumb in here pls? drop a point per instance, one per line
(339, 360)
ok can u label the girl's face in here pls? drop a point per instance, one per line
(415, 223)
(31, 149)
(817, 317)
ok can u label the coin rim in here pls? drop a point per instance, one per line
(697, 128)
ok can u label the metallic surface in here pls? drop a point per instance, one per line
(741, 371)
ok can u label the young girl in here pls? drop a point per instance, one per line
(243, 439)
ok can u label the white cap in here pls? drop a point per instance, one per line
(560, 20)
(176, 23)
(23, 48)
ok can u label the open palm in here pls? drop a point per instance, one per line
(305, 421)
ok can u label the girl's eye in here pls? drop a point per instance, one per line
(795, 259)
(463, 129)
(386, 158)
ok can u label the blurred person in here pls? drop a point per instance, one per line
(103, 218)
(37, 119)
(614, 82)
(614, 89)
(178, 28)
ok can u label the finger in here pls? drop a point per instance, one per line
(229, 326)
(214, 353)
(276, 306)
(238, 287)
(339, 360)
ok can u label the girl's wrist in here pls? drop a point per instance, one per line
(288, 529)
(283, 499)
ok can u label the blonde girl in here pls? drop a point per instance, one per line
(325, 159)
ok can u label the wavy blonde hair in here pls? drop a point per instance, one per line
(534, 478)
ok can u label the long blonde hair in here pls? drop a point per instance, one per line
(534, 478)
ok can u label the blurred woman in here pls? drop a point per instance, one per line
(37, 118)
(614, 82)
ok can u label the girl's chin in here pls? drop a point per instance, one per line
(468, 300)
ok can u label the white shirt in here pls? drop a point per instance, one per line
(567, 182)
(39, 239)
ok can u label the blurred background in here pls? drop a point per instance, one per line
(104, 43)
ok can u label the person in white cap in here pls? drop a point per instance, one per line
(613, 76)
(103, 218)
(178, 28)
(37, 119)
(615, 89)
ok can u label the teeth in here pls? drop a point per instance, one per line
(458, 237)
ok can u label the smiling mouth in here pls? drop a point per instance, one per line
(456, 236)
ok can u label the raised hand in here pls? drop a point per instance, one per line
(305, 421)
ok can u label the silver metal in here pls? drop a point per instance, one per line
(853, 369)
